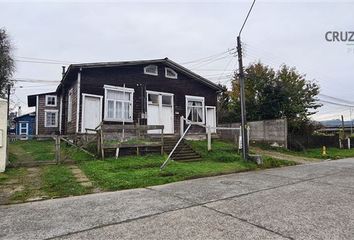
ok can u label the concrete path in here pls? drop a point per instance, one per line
(314, 201)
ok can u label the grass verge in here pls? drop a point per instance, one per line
(59, 181)
(133, 172)
(332, 153)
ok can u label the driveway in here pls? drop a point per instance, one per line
(314, 201)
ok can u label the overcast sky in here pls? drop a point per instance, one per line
(277, 32)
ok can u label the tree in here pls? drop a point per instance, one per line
(274, 94)
(7, 63)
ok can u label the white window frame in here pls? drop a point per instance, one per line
(20, 127)
(196, 98)
(50, 96)
(131, 99)
(170, 69)
(70, 105)
(45, 118)
(149, 73)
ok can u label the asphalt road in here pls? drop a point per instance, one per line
(314, 201)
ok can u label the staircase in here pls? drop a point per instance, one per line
(183, 152)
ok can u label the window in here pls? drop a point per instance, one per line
(70, 105)
(166, 100)
(151, 70)
(153, 99)
(51, 100)
(195, 109)
(170, 73)
(118, 103)
(23, 128)
(51, 118)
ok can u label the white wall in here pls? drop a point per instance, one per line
(3, 129)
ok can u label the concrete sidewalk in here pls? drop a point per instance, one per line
(314, 201)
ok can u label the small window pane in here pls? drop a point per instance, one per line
(171, 73)
(51, 100)
(153, 99)
(166, 100)
(110, 108)
(151, 69)
(126, 110)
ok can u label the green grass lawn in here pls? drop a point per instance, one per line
(41, 182)
(332, 153)
(133, 172)
(58, 180)
(31, 150)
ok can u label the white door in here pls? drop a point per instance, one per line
(92, 111)
(23, 130)
(211, 117)
(160, 111)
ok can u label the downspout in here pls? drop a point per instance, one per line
(60, 113)
(78, 100)
(37, 117)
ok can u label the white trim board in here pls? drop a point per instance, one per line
(78, 100)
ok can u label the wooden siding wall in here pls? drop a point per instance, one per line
(41, 116)
(93, 79)
(69, 127)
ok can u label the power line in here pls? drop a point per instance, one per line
(334, 103)
(40, 62)
(208, 57)
(336, 98)
(46, 59)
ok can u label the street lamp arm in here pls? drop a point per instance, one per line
(244, 22)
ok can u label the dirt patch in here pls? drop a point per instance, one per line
(82, 178)
(21, 185)
(283, 156)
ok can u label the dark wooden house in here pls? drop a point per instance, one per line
(153, 92)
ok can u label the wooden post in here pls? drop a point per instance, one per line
(57, 149)
(162, 141)
(209, 138)
(181, 125)
(101, 142)
(117, 153)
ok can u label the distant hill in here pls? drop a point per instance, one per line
(335, 123)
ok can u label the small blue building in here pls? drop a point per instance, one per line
(26, 124)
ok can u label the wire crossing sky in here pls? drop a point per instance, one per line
(199, 35)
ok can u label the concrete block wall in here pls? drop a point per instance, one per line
(273, 131)
(3, 134)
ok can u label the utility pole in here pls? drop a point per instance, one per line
(243, 101)
(242, 90)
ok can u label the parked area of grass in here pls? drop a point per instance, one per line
(133, 172)
(331, 153)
